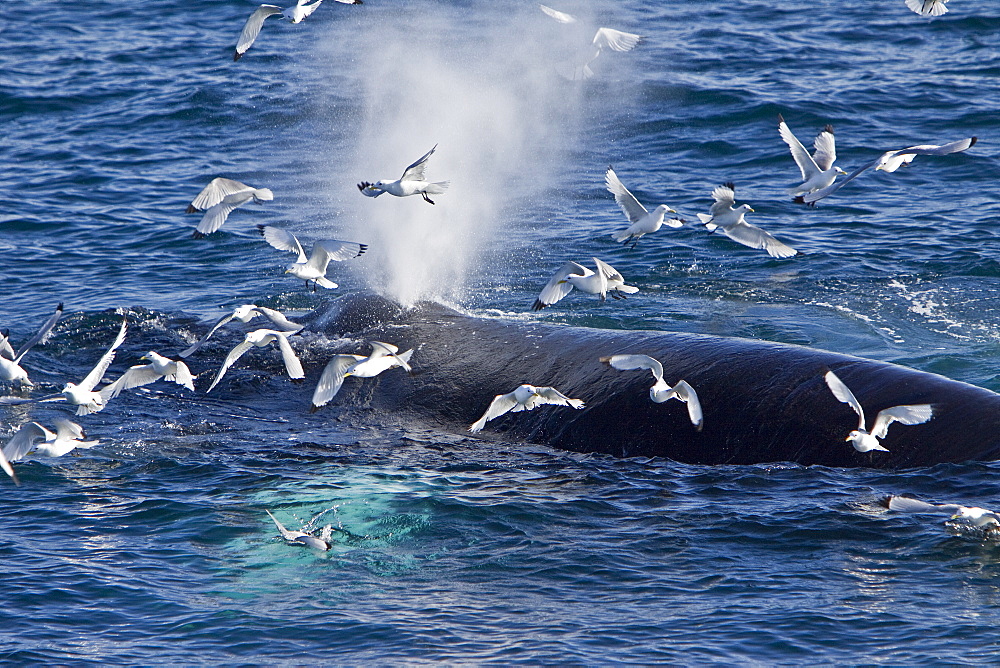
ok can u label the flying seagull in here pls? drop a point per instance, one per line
(574, 275)
(524, 398)
(722, 214)
(412, 182)
(889, 162)
(261, 338)
(863, 440)
(246, 313)
(10, 363)
(818, 170)
(294, 14)
(32, 436)
(144, 374)
(83, 395)
(313, 267)
(660, 391)
(928, 7)
(604, 38)
(642, 221)
(384, 356)
(219, 198)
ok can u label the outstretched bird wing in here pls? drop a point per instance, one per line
(550, 395)
(415, 172)
(136, 376)
(24, 439)
(230, 360)
(292, 364)
(94, 377)
(807, 165)
(332, 379)
(634, 211)
(616, 40)
(631, 362)
(557, 287)
(502, 403)
(214, 192)
(252, 28)
(282, 240)
(42, 333)
(913, 414)
(686, 393)
(844, 394)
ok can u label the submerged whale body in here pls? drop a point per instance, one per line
(763, 401)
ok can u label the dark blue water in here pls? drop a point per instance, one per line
(155, 548)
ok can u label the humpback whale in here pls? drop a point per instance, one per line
(762, 401)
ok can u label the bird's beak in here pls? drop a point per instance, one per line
(878, 168)
(847, 439)
(750, 210)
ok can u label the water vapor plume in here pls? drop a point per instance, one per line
(477, 79)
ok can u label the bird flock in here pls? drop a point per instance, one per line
(222, 196)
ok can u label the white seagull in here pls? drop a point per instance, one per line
(144, 374)
(980, 518)
(294, 14)
(412, 182)
(660, 391)
(34, 437)
(524, 398)
(83, 395)
(299, 537)
(863, 440)
(736, 228)
(384, 356)
(574, 275)
(10, 363)
(643, 222)
(818, 170)
(261, 338)
(313, 267)
(219, 198)
(889, 162)
(246, 313)
(604, 38)
(928, 7)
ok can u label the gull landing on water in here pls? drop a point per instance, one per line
(313, 267)
(736, 228)
(660, 391)
(971, 516)
(384, 356)
(818, 170)
(260, 338)
(643, 221)
(299, 537)
(10, 363)
(863, 440)
(573, 275)
(246, 313)
(524, 398)
(412, 182)
(219, 198)
(294, 14)
(889, 162)
(928, 7)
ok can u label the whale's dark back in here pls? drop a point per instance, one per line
(763, 402)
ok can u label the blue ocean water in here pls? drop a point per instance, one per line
(154, 547)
